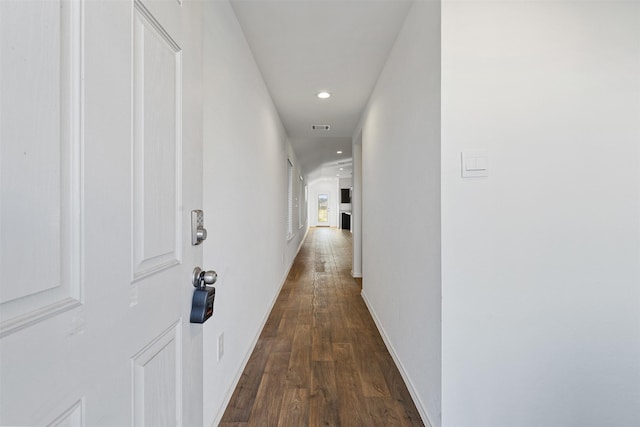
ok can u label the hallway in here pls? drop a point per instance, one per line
(320, 359)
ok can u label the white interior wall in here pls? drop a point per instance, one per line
(346, 182)
(245, 202)
(540, 261)
(401, 205)
(356, 205)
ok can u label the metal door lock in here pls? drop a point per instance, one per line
(203, 278)
(198, 232)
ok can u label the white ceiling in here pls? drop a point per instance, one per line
(303, 47)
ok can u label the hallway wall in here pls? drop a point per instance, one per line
(401, 205)
(245, 202)
(540, 261)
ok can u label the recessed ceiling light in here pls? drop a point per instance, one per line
(338, 152)
(323, 95)
(341, 169)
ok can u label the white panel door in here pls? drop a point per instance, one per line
(100, 166)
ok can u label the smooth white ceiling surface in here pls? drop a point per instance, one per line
(303, 47)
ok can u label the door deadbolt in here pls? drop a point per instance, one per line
(198, 232)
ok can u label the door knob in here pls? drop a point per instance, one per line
(203, 278)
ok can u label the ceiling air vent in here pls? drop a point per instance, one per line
(320, 127)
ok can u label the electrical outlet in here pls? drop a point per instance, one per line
(220, 346)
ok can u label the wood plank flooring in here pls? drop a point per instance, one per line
(320, 360)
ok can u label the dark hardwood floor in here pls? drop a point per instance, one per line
(320, 360)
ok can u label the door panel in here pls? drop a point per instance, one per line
(157, 381)
(96, 258)
(72, 417)
(157, 104)
(40, 146)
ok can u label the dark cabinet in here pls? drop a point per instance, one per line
(346, 221)
(345, 195)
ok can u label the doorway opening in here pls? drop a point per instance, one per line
(323, 210)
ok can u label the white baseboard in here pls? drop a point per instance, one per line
(412, 391)
(238, 375)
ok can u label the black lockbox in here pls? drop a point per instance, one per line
(202, 304)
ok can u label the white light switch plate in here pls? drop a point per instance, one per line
(475, 163)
